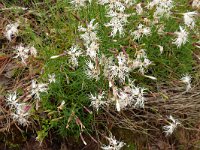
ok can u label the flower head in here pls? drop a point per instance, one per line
(11, 30)
(37, 88)
(52, 78)
(113, 144)
(24, 52)
(21, 114)
(169, 129)
(139, 9)
(97, 100)
(163, 8)
(189, 19)
(117, 22)
(11, 100)
(141, 31)
(92, 71)
(196, 4)
(74, 52)
(187, 80)
(182, 37)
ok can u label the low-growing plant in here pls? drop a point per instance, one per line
(87, 58)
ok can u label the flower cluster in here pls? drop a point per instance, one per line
(116, 11)
(21, 114)
(125, 95)
(91, 43)
(129, 95)
(90, 39)
(119, 71)
(163, 7)
(19, 111)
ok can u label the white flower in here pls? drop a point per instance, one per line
(91, 27)
(19, 111)
(52, 78)
(119, 71)
(121, 59)
(130, 95)
(89, 34)
(139, 93)
(169, 129)
(189, 19)
(113, 5)
(141, 62)
(92, 50)
(74, 52)
(103, 2)
(123, 100)
(11, 30)
(181, 37)
(22, 52)
(196, 4)
(37, 88)
(33, 51)
(139, 9)
(97, 100)
(163, 7)
(117, 22)
(152, 4)
(92, 71)
(187, 80)
(141, 31)
(21, 114)
(113, 144)
(116, 26)
(11, 100)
